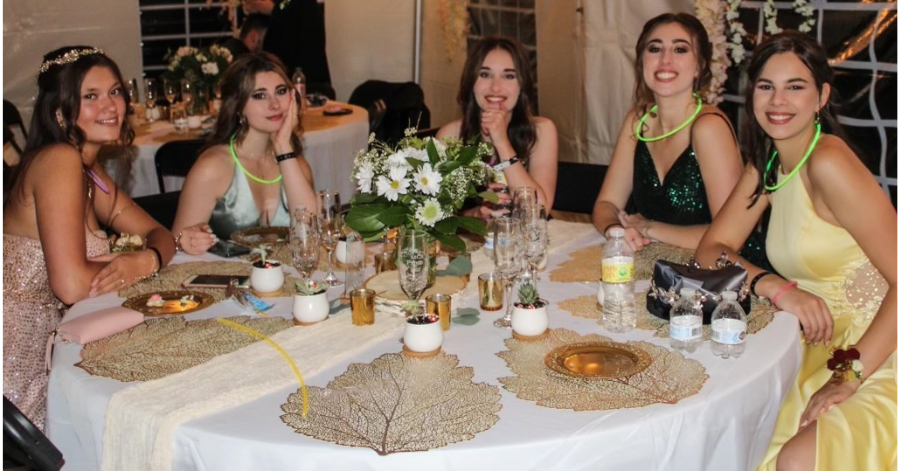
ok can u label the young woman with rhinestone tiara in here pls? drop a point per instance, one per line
(832, 237)
(54, 250)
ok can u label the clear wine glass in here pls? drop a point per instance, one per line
(534, 235)
(507, 233)
(330, 229)
(170, 89)
(413, 262)
(304, 242)
(133, 94)
(523, 196)
(187, 96)
(150, 94)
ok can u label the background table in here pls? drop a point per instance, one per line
(727, 425)
(329, 144)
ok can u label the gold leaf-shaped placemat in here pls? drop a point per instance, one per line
(584, 265)
(762, 312)
(670, 377)
(161, 347)
(172, 277)
(397, 404)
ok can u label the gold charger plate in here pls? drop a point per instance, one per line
(171, 303)
(261, 235)
(602, 360)
(387, 286)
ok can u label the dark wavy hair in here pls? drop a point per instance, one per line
(59, 89)
(238, 83)
(757, 145)
(643, 96)
(521, 130)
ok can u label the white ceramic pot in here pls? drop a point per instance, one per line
(530, 321)
(340, 252)
(423, 337)
(311, 309)
(267, 280)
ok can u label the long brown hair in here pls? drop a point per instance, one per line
(758, 146)
(643, 96)
(238, 83)
(521, 130)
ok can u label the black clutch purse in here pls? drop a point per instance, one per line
(669, 278)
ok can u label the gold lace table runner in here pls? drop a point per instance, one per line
(584, 264)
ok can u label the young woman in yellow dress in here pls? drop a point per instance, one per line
(497, 96)
(833, 238)
(252, 172)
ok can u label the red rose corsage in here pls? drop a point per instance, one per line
(845, 364)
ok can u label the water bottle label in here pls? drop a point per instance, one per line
(686, 328)
(729, 331)
(500, 177)
(618, 272)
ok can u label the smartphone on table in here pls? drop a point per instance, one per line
(215, 281)
(224, 248)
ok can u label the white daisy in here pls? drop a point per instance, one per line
(364, 177)
(440, 147)
(418, 154)
(398, 159)
(429, 213)
(391, 188)
(427, 180)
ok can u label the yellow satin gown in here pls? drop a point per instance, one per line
(824, 259)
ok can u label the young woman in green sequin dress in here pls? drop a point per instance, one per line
(676, 158)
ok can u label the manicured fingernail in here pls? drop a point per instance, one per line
(804, 424)
(92, 293)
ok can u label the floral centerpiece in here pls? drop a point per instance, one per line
(199, 66)
(421, 184)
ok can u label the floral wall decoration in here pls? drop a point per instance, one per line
(454, 25)
(727, 34)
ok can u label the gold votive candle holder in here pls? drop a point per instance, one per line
(385, 262)
(490, 291)
(439, 304)
(362, 306)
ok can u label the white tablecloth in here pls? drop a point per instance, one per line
(329, 144)
(726, 426)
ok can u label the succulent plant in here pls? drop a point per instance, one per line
(263, 251)
(308, 287)
(528, 295)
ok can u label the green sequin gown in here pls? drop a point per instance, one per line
(681, 198)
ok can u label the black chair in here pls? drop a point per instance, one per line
(24, 446)
(392, 107)
(577, 186)
(161, 207)
(11, 117)
(175, 159)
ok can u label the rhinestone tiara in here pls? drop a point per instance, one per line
(69, 57)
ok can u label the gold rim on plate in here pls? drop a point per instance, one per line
(261, 235)
(172, 304)
(601, 360)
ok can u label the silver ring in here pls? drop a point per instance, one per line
(122, 281)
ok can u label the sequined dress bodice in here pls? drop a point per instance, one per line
(680, 199)
(236, 210)
(30, 313)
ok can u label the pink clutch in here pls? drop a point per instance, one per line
(95, 326)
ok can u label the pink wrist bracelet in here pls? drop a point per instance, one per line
(781, 291)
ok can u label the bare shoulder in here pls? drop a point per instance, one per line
(711, 121)
(450, 129)
(215, 161)
(544, 125)
(58, 157)
(833, 161)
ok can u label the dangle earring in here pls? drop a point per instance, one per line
(817, 117)
(60, 121)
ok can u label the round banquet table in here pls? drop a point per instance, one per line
(329, 144)
(727, 425)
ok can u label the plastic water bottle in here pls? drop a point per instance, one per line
(686, 322)
(300, 84)
(729, 327)
(619, 314)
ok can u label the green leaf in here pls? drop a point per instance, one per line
(433, 156)
(468, 155)
(460, 266)
(447, 226)
(489, 196)
(414, 163)
(365, 198)
(451, 241)
(449, 166)
(365, 218)
(394, 216)
(473, 225)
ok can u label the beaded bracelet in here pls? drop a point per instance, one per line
(781, 291)
(158, 259)
(178, 242)
(282, 157)
(756, 280)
